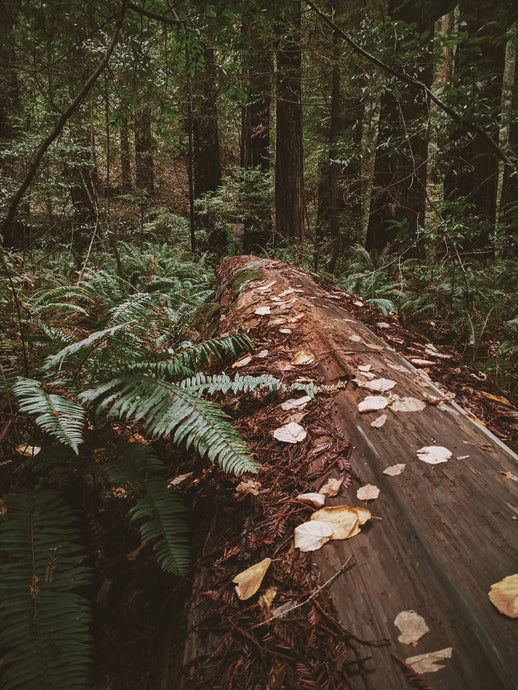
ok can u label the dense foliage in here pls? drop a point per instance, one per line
(140, 143)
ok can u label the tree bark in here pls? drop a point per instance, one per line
(205, 129)
(289, 159)
(126, 183)
(144, 167)
(255, 117)
(399, 200)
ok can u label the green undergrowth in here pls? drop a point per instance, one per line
(87, 361)
(460, 302)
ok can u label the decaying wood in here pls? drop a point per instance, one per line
(447, 532)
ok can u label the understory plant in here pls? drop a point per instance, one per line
(100, 360)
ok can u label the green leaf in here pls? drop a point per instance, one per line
(55, 414)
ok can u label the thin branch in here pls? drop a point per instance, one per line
(317, 591)
(467, 124)
(152, 15)
(58, 127)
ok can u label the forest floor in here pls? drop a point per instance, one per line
(236, 521)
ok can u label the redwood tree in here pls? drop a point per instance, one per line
(401, 155)
(289, 159)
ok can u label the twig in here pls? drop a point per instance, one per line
(416, 678)
(329, 581)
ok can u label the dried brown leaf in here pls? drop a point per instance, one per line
(379, 421)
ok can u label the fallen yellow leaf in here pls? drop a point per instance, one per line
(379, 421)
(314, 499)
(248, 581)
(504, 595)
(341, 519)
(372, 403)
(266, 599)
(28, 451)
(377, 385)
(242, 362)
(303, 357)
(407, 404)
(249, 486)
(497, 398)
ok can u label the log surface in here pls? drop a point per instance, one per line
(447, 532)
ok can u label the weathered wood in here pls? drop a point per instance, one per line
(447, 532)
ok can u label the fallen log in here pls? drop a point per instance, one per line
(446, 531)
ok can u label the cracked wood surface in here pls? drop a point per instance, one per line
(447, 532)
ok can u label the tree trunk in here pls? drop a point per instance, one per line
(399, 199)
(144, 168)
(9, 94)
(472, 175)
(205, 130)
(126, 184)
(255, 118)
(509, 198)
(289, 160)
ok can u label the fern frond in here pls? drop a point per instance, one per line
(164, 525)
(221, 383)
(55, 414)
(191, 357)
(92, 341)
(167, 409)
(44, 621)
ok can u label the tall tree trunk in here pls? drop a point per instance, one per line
(400, 168)
(289, 159)
(479, 66)
(9, 94)
(509, 198)
(15, 234)
(205, 130)
(126, 184)
(144, 168)
(255, 117)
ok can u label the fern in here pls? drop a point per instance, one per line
(55, 414)
(167, 409)
(221, 383)
(189, 358)
(93, 340)
(160, 511)
(163, 523)
(44, 621)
